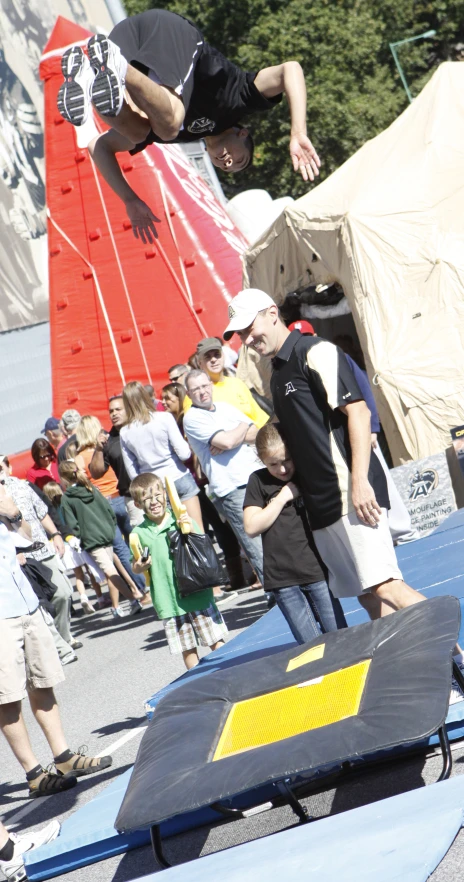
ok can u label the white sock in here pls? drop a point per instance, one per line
(122, 63)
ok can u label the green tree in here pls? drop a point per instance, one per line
(354, 90)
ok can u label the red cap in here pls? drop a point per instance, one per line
(302, 326)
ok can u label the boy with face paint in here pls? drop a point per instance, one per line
(188, 621)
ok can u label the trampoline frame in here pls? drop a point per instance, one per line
(286, 793)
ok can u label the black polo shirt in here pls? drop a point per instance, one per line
(311, 380)
(289, 551)
(112, 456)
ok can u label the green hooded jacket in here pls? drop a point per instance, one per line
(89, 516)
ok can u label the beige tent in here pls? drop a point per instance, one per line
(389, 226)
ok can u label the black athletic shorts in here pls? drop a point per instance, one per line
(162, 42)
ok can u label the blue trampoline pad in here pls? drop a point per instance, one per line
(404, 837)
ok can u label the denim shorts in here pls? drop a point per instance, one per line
(186, 487)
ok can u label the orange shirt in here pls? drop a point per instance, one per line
(108, 484)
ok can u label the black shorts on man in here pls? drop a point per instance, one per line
(215, 92)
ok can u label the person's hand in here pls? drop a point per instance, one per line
(373, 440)
(101, 440)
(289, 492)
(365, 504)
(74, 543)
(58, 545)
(139, 567)
(304, 157)
(21, 558)
(142, 219)
(184, 519)
(215, 451)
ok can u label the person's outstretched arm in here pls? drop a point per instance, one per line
(289, 78)
(103, 150)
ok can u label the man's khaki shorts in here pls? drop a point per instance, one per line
(358, 557)
(104, 558)
(28, 657)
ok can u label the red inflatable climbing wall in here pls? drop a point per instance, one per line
(121, 310)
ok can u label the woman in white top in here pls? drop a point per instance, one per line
(152, 442)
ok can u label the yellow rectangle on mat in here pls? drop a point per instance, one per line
(306, 657)
(269, 718)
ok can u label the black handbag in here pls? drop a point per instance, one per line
(196, 563)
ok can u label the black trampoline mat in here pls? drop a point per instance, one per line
(346, 694)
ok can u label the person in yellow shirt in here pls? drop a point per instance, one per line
(230, 390)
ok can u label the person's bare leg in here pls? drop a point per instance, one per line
(4, 836)
(14, 729)
(193, 509)
(45, 710)
(130, 122)
(190, 657)
(146, 106)
(129, 585)
(95, 585)
(397, 593)
(217, 645)
(164, 109)
(117, 585)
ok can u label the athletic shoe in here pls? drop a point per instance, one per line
(76, 644)
(14, 870)
(103, 602)
(223, 597)
(87, 607)
(456, 693)
(68, 659)
(117, 612)
(109, 69)
(135, 607)
(74, 96)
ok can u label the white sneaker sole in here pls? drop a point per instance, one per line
(74, 96)
(108, 85)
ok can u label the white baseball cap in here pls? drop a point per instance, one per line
(244, 308)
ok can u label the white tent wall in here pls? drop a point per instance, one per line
(389, 226)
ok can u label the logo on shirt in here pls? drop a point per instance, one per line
(422, 483)
(289, 387)
(348, 395)
(203, 124)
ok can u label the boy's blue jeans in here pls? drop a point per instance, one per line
(304, 606)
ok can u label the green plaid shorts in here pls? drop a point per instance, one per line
(202, 627)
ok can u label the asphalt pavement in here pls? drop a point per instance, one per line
(121, 664)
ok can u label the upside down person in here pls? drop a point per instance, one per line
(156, 80)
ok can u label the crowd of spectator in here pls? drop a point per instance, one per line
(94, 508)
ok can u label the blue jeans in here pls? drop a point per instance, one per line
(231, 508)
(123, 528)
(304, 606)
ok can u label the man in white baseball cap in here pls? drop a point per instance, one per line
(326, 425)
(244, 308)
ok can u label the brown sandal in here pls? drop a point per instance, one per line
(77, 764)
(49, 784)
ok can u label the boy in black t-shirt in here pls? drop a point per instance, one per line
(178, 88)
(273, 507)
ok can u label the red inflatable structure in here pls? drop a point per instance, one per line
(121, 310)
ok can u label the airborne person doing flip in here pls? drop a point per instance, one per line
(156, 80)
